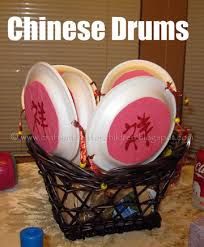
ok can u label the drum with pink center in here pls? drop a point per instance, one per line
(50, 111)
(132, 124)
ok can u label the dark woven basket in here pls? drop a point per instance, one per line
(125, 199)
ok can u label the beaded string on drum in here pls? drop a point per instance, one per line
(84, 158)
(175, 93)
(96, 91)
(183, 132)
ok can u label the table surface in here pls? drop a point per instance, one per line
(27, 205)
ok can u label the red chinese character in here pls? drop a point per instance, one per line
(143, 126)
(132, 139)
(39, 116)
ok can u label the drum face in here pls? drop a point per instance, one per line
(41, 116)
(138, 131)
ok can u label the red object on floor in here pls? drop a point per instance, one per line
(8, 178)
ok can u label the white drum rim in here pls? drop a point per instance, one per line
(132, 65)
(83, 75)
(65, 69)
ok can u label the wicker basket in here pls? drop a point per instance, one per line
(125, 199)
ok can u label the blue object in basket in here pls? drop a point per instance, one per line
(126, 207)
(32, 237)
(125, 211)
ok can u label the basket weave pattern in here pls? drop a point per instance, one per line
(123, 199)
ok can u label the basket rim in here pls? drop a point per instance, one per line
(63, 167)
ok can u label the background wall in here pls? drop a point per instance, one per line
(94, 58)
(170, 54)
(194, 73)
